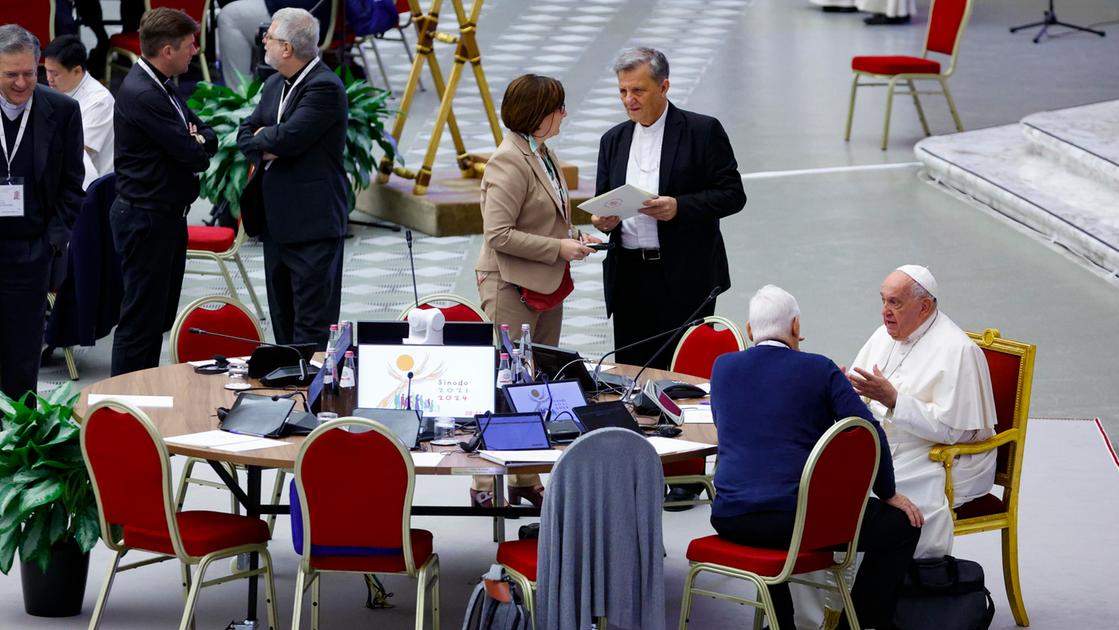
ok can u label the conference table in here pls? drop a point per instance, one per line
(195, 399)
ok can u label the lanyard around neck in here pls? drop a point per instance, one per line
(284, 97)
(8, 157)
(174, 103)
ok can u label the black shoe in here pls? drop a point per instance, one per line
(680, 493)
(839, 9)
(881, 19)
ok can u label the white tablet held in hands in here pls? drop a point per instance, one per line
(623, 202)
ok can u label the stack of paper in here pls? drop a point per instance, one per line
(428, 459)
(697, 414)
(223, 441)
(668, 446)
(513, 458)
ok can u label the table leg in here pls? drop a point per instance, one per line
(499, 501)
(252, 510)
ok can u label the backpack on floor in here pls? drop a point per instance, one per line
(496, 604)
(944, 593)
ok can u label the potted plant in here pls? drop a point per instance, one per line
(47, 507)
(224, 108)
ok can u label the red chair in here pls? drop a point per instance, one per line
(127, 45)
(37, 17)
(215, 313)
(221, 245)
(834, 488)
(947, 21)
(455, 308)
(131, 475)
(358, 527)
(695, 355)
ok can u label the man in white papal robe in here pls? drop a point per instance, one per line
(927, 382)
(888, 11)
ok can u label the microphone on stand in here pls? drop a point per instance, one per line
(692, 322)
(412, 264)
(408, 403)
(598, 365)
(278, 376)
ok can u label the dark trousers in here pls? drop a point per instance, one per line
(886, 536)
(304, 289)
(24, 273)
(643, 306)
(152, 249)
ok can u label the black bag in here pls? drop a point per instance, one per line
(496, 604)
(944, 594)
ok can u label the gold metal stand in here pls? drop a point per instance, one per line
(466, 50)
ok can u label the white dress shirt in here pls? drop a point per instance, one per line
(97, 126)
(644, 171)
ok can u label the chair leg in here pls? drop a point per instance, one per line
(316, 602)
(1010, 574)
(270, 588)
(951, 104)
(686, 602)
(381, 66)
(851, 108)
(277, 494)
(192, 594)
(228, 278)
(184, 568)
(71, 363)
(433, 578)
(759, 615)
(767, 603)
(248, 285)
(297, 605)
(920, 110)
(889, 108)
(180, 492)
(103, 596)
(848, 603)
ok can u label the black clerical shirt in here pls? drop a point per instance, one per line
(156, 158)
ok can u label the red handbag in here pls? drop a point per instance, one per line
(547, 301)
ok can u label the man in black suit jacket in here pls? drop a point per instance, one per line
(40, 195)
(160, 145)
(666, 263)
(295, 139)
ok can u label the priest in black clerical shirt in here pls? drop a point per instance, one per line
(160, 147)
(40, 195)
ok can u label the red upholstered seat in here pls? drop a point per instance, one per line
(694, 466)
(895, 64)
(766, 562)
(422, 547)
(127, 41)
(519, 555)
(699, 348)
(214, 238)
(456, 313)
(228, 319)
(983, 506)
(202, 532)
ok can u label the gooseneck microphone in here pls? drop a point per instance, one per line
(408, 403)
(692, 321)
(304, 373)
(476, 441)
(671, 331)
(412, 264)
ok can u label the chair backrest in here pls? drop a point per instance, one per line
(1011, 365)
(198, 10)
(215, 313)
(128, 466)
(37, 17)
(834, 488)
(947, 21)
(455, 308)
(701, 345)
(603, 503)
(355, 491)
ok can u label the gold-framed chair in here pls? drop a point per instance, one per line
(1011, 364)
(221, 245)
(456, 308)
(37, 17)
(947, 22)
(127, 45)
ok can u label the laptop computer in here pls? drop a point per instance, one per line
(404, 423)
(607, 414)
(559, 363)
(554, 401)
(513, 432)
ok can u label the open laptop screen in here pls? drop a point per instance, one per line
(513, 432)
(559, 398)
(446, 380)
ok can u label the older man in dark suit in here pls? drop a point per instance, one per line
(295, 139)
(40, 195)
(668, 263)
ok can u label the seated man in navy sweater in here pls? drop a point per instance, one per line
(772, 404)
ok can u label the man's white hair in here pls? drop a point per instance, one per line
(300, 29)
(772, 311)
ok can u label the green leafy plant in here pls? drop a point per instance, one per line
(45, 493)
(224, 108)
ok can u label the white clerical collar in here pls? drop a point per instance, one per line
(657, 125)
(773, 342)
(78, 87)
(10, 110)
(921, 330)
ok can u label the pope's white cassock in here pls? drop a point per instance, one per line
(944, 396)
(892, 8)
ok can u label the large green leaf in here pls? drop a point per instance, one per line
(40, 494)
(9, 541)
(87, 527)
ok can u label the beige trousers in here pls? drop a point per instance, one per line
(501, 302)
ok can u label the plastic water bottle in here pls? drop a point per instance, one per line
(526, 353)
(518, 367)
(329, 396)
(332, 341)
(506, 341)
(504, 373)
(347, 386)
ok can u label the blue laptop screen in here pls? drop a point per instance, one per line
(513, 432)
(559, 398)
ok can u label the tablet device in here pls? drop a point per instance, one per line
(404, 423)
(513, 432)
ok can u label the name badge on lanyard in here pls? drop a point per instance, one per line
(284, 98)
(11, 188)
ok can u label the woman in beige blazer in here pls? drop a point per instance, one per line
(529, 241)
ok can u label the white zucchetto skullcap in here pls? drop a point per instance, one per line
(922, 276)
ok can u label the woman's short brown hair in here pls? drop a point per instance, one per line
(163, 26)
(528, 100)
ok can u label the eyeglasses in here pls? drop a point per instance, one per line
(268, 36)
